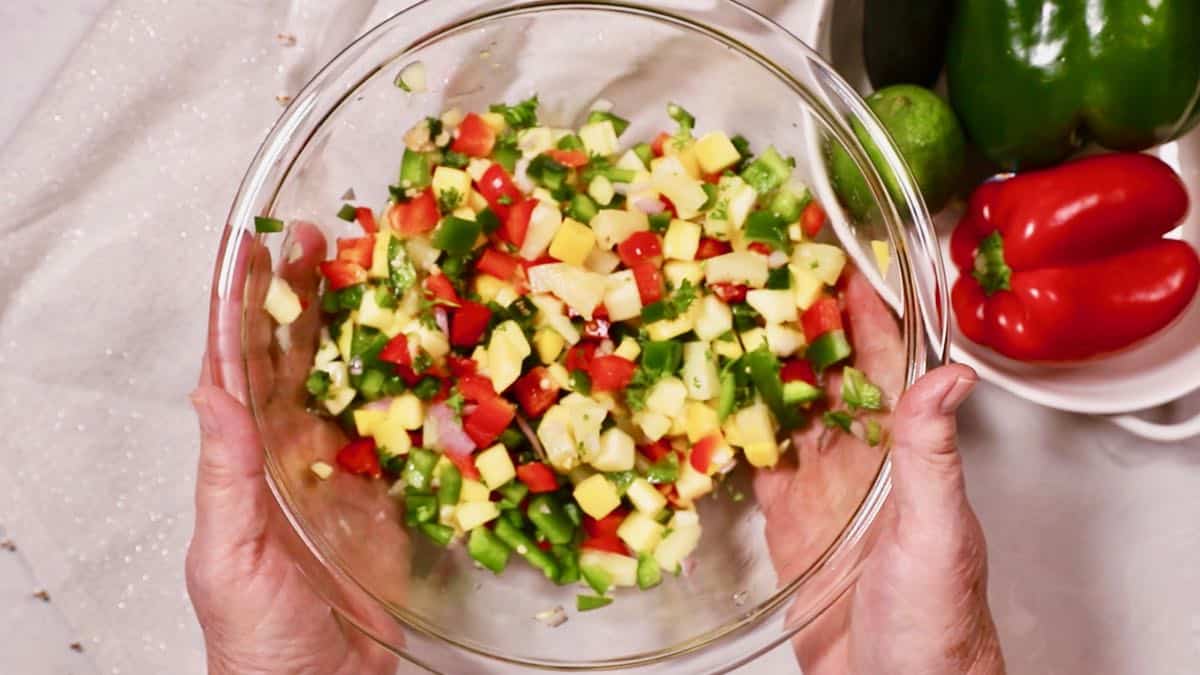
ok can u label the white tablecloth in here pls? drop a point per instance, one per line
(112, 194)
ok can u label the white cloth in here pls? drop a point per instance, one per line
(112, 195)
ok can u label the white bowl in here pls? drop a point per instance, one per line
(1159, 370)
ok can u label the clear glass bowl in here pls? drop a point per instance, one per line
(733, 69)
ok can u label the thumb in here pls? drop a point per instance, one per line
(231, 504)
(927, 469)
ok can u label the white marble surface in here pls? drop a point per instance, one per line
(1094, 536)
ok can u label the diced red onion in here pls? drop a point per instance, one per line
(650, 205)
(439, 317)
(777, 259)
(450, 435)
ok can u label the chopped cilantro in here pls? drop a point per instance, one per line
(858, 393)
(837, 419)
(448, 200)
(520, 116)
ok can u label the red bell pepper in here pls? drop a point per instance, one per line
(440, 288)
(536, 391)
(759, 248)
(465, 465)
(656, 450)
(366, 219)
(468, 324)
(639, 247)
(489, 419)
(597, 328)
(396, 351)
(572, 159)
(702, 452)
(416, 216)
(656, 146)
(498, 190)
(606, 526)
(812, 219)
(610, 372)
(475, 138)
(359, 458)
(729, 293)
(611, 544)
(798, 369)
(475, 387)
(358, 251)
(1069, 263)
(342, 274)
(538, 477)
(711, 248)
(498, 264)
(516, 224)
(649, 282)
(822, 316)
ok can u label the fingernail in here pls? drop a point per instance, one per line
(208, 421)
(956, 394)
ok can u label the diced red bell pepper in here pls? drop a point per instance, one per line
(639, 247)
(702, 452)
(798, 369)
(475, 387)
(416, 216)
(440, 287)
(760, 248)
(729, 293)
(536, 391)
(656, 450)
(465, 465)
(489, 419)
(517, 223)
(572, 159)
(669, 206)
(357, 251)
(812, 219)
(468, 324)
(359, 458)
(711, 248)
(498, 189)
(649, 282)
(537, 477)
(656, 146)
(475, 138)
(823, 316)
(579, 356)
(461, 366)
(366, 219)
(606, 526)
(498, 264)
(396, 351)
(610, 372)
(612, 544)
(341, 274)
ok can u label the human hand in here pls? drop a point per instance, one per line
(258, 613)
(920, 604)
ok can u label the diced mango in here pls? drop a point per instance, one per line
(495, 466)
(506, 350)
(548, 344)
(775, 305)
(371, 314)
(391, 436)
(716, 152)
(701, 420)
(448, 181)
(682, 240)
(621, 296)
(653, 425)
(496, 121)
(640, 532)
(805, 286)
(379, 255)
(669, 328)
(597, 496)
(573, 242)
(763, 454)
(471, 515)
(601, 190)
(691, 483)
(713, 319)
(645, 497)
(738, 267)
(616, 452)
(730, 349)
(628, 349)
(473, 491)
(599, 138)
(678, 271)
(366, 420)
(408, 411)
(825, 261)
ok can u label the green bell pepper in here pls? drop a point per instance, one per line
(1033, 80)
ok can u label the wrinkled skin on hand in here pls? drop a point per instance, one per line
(258, 611)
(920, 604)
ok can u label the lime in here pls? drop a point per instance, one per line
(927, 134)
